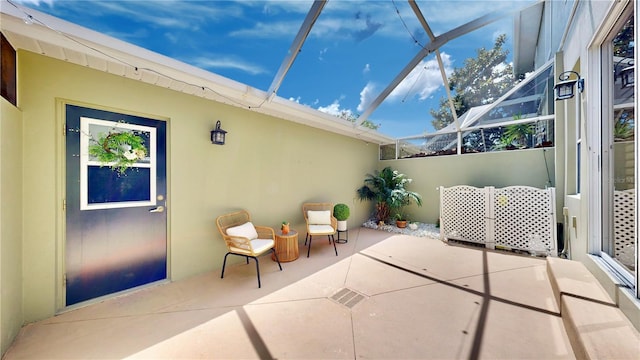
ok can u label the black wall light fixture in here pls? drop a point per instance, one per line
(564, 88)
(218, 135)
(627, 74)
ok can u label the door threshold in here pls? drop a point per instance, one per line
(111, 296)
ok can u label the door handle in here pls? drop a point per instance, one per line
(159, 209)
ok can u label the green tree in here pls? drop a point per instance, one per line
(349, 116)
(480, 81)
(623, 42)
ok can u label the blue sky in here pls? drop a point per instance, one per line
(353, 51)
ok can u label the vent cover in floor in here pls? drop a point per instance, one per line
(347, 297)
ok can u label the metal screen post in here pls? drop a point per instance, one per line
(490, 217)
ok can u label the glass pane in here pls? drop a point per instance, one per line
(518, 136)
(476, 141)
(532, 99)
(117, 164)
(432, 145)
(620, 244)
(388, 152)
(133, 185)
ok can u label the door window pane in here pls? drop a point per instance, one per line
(117, 164)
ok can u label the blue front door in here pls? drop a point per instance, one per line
(116, 219)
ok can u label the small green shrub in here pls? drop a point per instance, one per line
(341, 212)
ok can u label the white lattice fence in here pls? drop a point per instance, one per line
(515, 217)
(623, 226)
(525, 219)
(462, 213)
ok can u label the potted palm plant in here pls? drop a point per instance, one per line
(516, 135)
(387, 188)
(341, 213)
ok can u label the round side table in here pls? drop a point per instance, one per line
(286, 246)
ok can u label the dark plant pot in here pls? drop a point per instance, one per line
(401, 223)
(545, 144)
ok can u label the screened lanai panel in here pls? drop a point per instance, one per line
(406, 111)
(353, 51)
(532, 99)
(410, 107)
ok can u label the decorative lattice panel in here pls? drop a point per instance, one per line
(515, 217)
(623, 226)
(462, 213)
(525, 219)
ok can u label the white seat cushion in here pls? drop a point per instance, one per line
(259, 246)
(246, 230)
(319, 217)
(321, 229)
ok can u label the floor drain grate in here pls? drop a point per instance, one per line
(347, 297)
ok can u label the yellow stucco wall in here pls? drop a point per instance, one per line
(10, 223)
(269, 166)
(498, 169)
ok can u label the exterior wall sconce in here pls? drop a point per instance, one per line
(218, 135)
(564, 88)
(627, 75)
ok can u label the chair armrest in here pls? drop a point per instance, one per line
(265, 232)
(334, 222)
(238, 242)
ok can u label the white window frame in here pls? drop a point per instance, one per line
(598, 156)
(86, 162)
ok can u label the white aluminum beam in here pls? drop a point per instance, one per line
(304, 31)
(445, 81)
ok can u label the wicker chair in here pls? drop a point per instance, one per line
(320, 221)
(245, 239)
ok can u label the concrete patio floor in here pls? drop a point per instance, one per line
(415, 298)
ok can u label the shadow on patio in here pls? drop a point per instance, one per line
(412, 298)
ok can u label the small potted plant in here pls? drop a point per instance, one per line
(341, 213)
(285, 227)
(401, 220)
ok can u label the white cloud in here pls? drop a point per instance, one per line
(272, 30)
(216, 62)
(423, 80)
(36, 2)
(335, 110)
(172, 37)
(367, 69)
(367, 95)
(455, 13)
(322, 52)
(279, 6)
